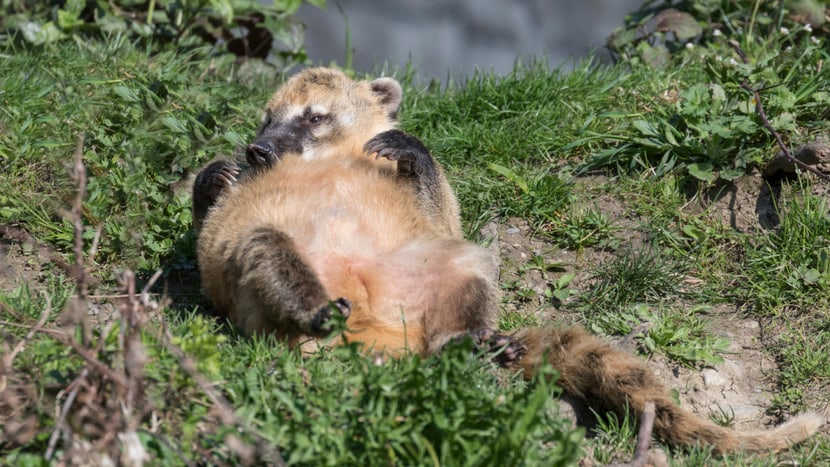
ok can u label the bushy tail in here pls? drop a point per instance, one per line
(610, 379)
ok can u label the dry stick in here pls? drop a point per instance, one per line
(79, 175)
(53, 440)
(98, 364)
(759, 108)
(644, 435)
(79, 301)
(643, 438)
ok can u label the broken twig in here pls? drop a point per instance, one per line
(643, 438)
(759, 108)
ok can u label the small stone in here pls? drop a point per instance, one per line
(733, 368)
(512, 230)
(712, 378)
(743, 411)
(749, 324)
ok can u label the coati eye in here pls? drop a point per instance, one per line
(315, 119)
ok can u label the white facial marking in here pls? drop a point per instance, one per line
(293, 113)
(319, 109)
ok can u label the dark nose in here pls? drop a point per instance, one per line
(261, 153)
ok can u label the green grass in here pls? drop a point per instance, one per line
(791, 268)
(148, 121)
(518, 145)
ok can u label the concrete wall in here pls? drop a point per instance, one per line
(455, 36)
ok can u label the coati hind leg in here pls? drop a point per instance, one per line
(469, 312)
(209, 185)
(277, 290)
(417, 168)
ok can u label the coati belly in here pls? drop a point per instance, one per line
(372, 246)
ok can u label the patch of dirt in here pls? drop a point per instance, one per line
(738, 389)
(748, 203)
(24, 259)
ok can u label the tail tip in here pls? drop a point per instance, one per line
(802, 426)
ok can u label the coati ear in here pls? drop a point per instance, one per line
(389, 93)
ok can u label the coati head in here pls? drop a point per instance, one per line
(322, 113)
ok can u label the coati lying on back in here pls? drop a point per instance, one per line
(317, 227)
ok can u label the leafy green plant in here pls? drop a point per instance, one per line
(722, 417)
(412, 411)
(560, 290)
(660, 28)
(241, 27)
(682, 335)
(584, 227)
(710, 130)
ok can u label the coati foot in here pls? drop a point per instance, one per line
(321, 323)
(506, 350)
(209, 185)
(406, 149)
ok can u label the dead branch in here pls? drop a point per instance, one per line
(79, 176)
(643, 438)
(91, 360)
(61, 423)
(759, 109)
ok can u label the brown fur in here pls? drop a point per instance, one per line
(323, 227)
(608, 378)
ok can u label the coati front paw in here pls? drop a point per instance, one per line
(505, 349)
(321, 323)
(210, 183)
(214, 178)
(407, 150)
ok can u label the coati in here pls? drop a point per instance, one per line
(341, 213)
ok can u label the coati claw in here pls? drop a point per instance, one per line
(261, 154)
(505, 349)
(395, 145)
(413, 158)
(216, 177)
(321, 323)
(209, 185)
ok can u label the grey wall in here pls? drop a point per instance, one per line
(455, 36)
